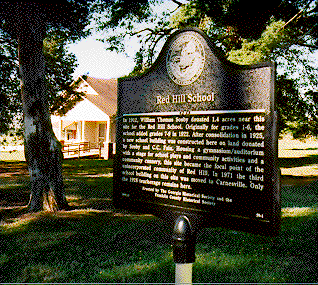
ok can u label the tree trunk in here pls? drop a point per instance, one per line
(42, 149)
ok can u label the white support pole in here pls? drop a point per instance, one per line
(183, 274)
(59, 135)
(78, 131)
(83, 130)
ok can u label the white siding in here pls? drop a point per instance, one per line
(85, 111)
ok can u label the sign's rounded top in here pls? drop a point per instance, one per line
(185, 58)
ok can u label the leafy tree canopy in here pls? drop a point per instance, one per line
(70, 17)
(63, 23)
(284, 31)
(60, 65)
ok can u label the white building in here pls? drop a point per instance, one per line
(91, 120)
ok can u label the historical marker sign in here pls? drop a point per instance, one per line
(197, 136)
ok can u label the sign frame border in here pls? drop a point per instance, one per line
(200, 220)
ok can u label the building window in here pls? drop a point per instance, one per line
(71, 134)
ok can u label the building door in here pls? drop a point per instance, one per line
(101, 132)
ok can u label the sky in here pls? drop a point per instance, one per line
(92, 56)
(95, 60)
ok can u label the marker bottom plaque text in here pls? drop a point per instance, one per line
(203, 158)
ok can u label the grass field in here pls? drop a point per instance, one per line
(96, 243)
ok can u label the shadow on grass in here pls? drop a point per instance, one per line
(87, 166)
(69, 166)
(81, 246)
(17, 195)
(111, 247)
(300, 196)
(103, 246)
(308, 148)
(86, 192)
(227, 256)
(85, 180)
(99, 187)
(298, 161)
(89, 183)
(99, 245)
(12, 166)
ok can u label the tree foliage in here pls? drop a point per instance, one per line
(68, 17)
(64, 22)
(9, 83)
(60, 65)
(283, 31)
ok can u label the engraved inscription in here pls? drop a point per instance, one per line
(175, 156)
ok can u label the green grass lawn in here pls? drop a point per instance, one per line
(96, 243)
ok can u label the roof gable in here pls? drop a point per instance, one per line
(102, 93)
(84, 87)
(85, 111)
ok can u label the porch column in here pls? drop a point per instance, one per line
(106, 142)
(59, 134)
(78, 131)
(83, 131)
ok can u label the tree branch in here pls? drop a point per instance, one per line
(143, 30)
(153, 32)
(306, 45)
(152, 50)
(177, 2)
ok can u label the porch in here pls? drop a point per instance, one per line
(87, 149)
